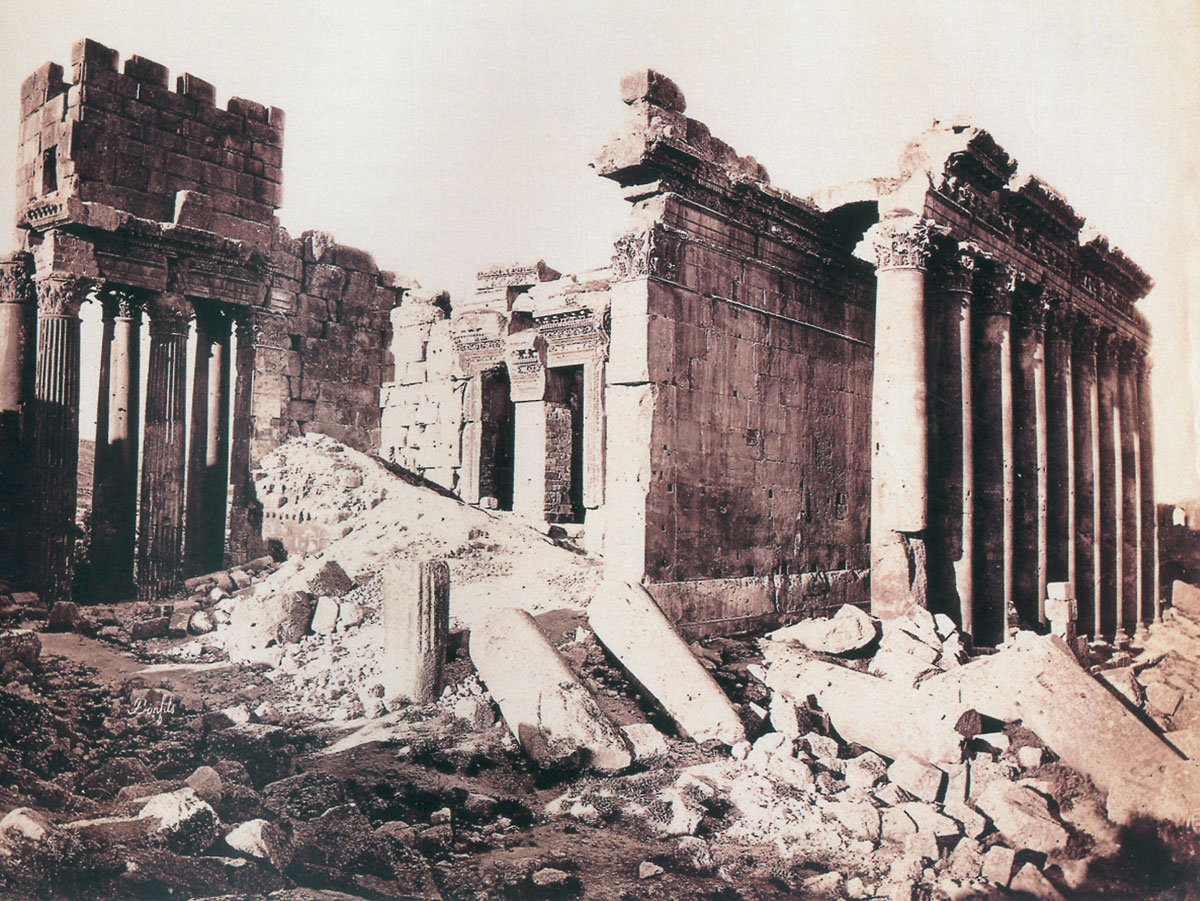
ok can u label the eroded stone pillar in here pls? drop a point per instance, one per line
(993, 407)
(54, 486)
(900, 460)
(1151, 590)
(208, 460)
(1129, 495)
(160, 529)
(1110, 480)
(114, 480)
(1086, 399)
(952, 439)
(18, 305)
(1030, 451)
(1060, 446)
(416, 625)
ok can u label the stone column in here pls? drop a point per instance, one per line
(1086, 401)
(18, 305)
(54, 486)
(416, 625)
(114, 480)
(208, 461)
(526, 359)
(1060, 446)
(952, 439)
(900, 461)
(1151, 590)
(161, 523)
(1030, 452)
(1129, 493)
(992, 387)
(1110, 481)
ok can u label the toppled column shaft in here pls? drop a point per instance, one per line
(552, 714)
(416, 622)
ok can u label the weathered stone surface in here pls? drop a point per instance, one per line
(331, 581)
(919, 779)
(629, 623)
(648, 743)
(1023, 817)
(416, 625)
(850, 629)
(113, 775)
(182, 819)
(998, 864)
(258, 622)
(887, 718)
(304, 796)
(646, 84)
(261, 840)
(201, 623)
(262, 749)
(64, 617)
(325, 616)
(20, 645)
(1030, 882)
(552, 715)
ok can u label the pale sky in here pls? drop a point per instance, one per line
(443, 137)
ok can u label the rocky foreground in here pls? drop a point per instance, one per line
(239, 741)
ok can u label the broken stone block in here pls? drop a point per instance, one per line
(860, 819)
(966, 860)
(325, 616)
(1030, 757)
(648, 85)
(206, 782)
(155, 627)
(20, 645)
(304, 796)
(113, 775)
(1121, 680)
(864, 771)
(548, 710)
(647, 742)
(64, 617)
(258, 622)
(888, 718)
(919, 779)
(330, 581)
(848, 630)
(992, 742)
(649, 870)
(1022, 816)
(1163, 698)
(896, 825)
(822, 747)
(998, 864)
(261, 840)
(350, 614)
(1030, 882)
(628, 622)
(943, 828)
(182, 819)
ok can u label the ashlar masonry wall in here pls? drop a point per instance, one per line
(740, 374)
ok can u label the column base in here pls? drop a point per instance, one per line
(899, 574)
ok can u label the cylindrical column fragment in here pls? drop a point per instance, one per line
(551, 713)
(1060, 452)
(17, 319)
(1030, 450)
(416, 623)
(1087, 468)
(1110, 480)
(208, 460)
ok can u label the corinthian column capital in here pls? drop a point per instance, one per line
(16, 279)
(169, 314)
(62, 296)
(902, 242)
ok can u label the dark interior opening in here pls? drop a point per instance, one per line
(497, 439)
(565, 390)
(50, 170)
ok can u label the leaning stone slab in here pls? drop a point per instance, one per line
(890, 719)
(848, 630)
(628, 622)
(1036, 679)
(551, 713)
(1023, 817)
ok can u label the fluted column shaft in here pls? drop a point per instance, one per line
(1151, 591)
(1030, 451)
(1085, 376)
(993, 407)
(18, 305)
(208, 462)
(1110, 481)
(900, 462)
(56, 438)
(114, 491)
(160, 530)
(951, 440)
(1129, 494)
(1060, 448)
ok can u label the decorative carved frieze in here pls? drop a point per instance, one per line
(901, 243)
(525, 354)
(642, 253)
(62, 296)
(478, 339)
(573, 334)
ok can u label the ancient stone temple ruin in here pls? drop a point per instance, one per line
(929, 387)
(925, 388)
(159, 206)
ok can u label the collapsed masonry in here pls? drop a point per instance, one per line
(158, 203)
(966, 421)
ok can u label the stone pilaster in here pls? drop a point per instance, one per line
(1110, 481)
(114, 480)
(899, 423)
(18, 306)
(1030, 454)
(1060, 445)
(1151, 590)
(1086, 400)
(951, 438)
(56, 438)
(208, 460)
(1129, 494)
(993, 409)
(160, 549)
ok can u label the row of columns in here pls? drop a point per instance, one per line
(153, 539)
(1035, 423)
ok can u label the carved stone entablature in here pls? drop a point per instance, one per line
(514, 275)
(1115, 279)
(62, 296)
(982, 162)
(122, 303)
(525, 354)
(995, 287)
(169, 313)
(640, 254)
(980, 204)
(267, 329)
(16, 279)
(478, 339)
(902, 242)
(574, 334)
